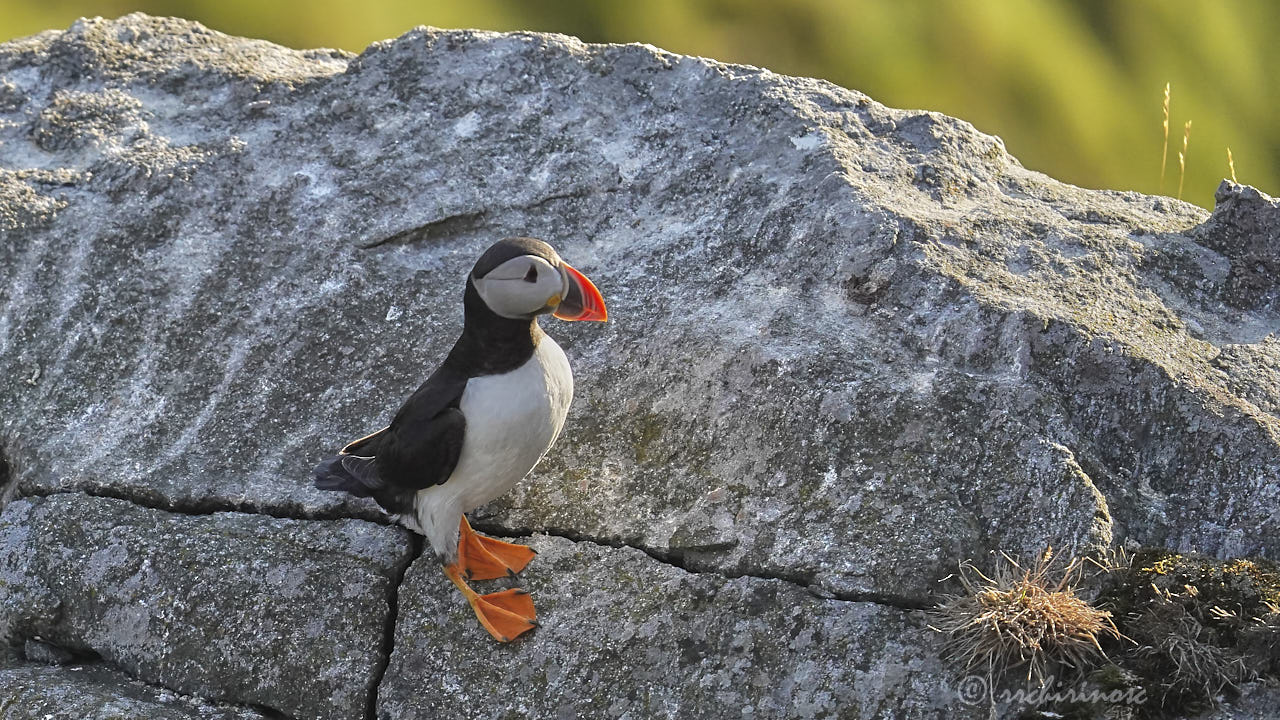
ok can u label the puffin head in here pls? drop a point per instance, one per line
(521, 278)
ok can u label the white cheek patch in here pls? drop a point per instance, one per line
(508, 294)
(498, 296)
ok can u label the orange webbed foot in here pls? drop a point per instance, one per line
(506, 615)
(484, 558)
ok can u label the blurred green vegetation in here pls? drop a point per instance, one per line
(1073, 86)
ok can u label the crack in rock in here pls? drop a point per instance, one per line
(674, 558)
(85, 685)
(8, 488)
(445, 226)
(151, 591)
(389, 630)
(463, 222)
(607, 616)
(209, 507)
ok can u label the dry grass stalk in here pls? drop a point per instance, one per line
(1231, 165)
(1182, 157)
(1164, 153)
(1022, 616)
(1191, 664)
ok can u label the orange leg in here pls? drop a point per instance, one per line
(483, 558)
(506, 614)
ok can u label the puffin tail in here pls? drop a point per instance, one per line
(349, 473)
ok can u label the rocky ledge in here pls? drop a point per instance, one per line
(851, 347)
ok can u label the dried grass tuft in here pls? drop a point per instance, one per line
(1022, 616)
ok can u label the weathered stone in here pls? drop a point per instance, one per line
(93, 692)
(850, 345)
(42, 652)
(1257, 701)
(1245, 228)
(624, 637)
(285, 614)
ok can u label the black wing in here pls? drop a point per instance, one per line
(420, 448)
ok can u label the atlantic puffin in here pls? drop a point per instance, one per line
(479, 423)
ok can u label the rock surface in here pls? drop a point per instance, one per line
(206, 605)
(33, 692)
(851, 346)
(647, 640)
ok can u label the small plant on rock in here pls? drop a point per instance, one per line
(1030, 617)
(1178, 650)
(1202, 626)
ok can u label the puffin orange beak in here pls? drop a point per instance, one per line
(582, 301)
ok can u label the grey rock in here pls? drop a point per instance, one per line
(624, 637)
(1256, 701)
(94, 692)
(42, 652)
(285, 614)
(1245, 229)
(851, 345)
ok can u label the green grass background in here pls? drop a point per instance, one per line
(1073, 87)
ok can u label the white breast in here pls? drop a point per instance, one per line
(512, 420)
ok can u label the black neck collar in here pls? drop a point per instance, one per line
(491, 344)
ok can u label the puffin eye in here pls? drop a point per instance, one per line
(532, 275)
